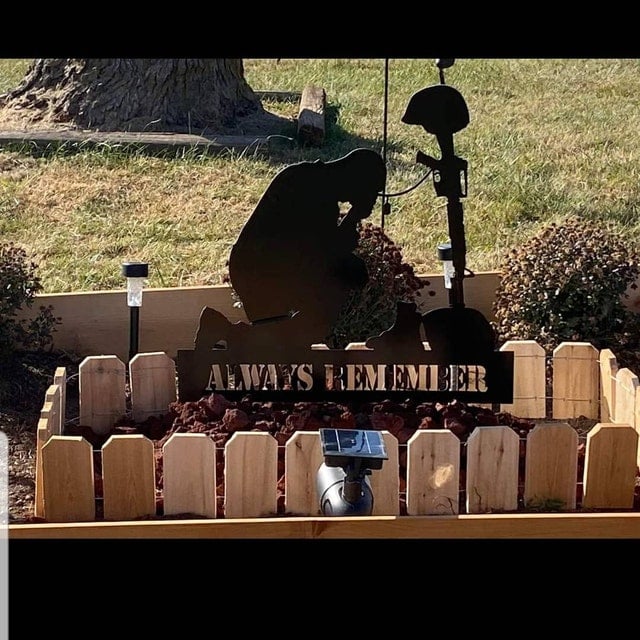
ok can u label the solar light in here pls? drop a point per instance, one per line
(135, 273)
(341, 481)
(445, 254)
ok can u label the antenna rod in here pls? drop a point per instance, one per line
(444, 63)
(385, 199)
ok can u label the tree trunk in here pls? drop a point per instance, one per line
(123, 94)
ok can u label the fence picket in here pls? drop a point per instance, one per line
(152, 377)
(60, 378)
(433, 473)
(128, 477)
(102, 392)
(610, 467)
(44, 431)
(189, 475)
(608, 371)
(51, 409)
(576, 381)
(67, 473)
(551, 465)
(626, 394)
(302, 457)
(529, 379)
(49, 424)
(492, 470)
(250, 475)
(53, 404)
(385, 482)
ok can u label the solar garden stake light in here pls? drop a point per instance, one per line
(445, 255)
(135, 273)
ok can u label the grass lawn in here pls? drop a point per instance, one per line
(547, 138)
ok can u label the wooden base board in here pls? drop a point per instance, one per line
(549, 525)
(98, 323)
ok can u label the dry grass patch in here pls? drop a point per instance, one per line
(81, 219)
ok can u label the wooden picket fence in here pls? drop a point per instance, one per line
(488, 466)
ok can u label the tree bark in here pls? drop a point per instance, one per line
(124, 94)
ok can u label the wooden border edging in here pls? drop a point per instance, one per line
(549, 525)
(97, 322)
(279, 96)
(161, 142)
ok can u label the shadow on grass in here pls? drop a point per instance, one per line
(337, 142)
(274, 137)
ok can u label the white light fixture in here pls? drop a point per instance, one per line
(135, 273)
(445, 255)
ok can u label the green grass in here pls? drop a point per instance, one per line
(547, 139)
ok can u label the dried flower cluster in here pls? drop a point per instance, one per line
(372, 310)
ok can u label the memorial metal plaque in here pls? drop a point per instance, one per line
(293, 266)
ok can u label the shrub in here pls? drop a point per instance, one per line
(372, 310)
(568, 283)
(19, 285)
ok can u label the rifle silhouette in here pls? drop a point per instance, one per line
(441, 110)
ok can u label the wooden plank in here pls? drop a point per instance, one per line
(128, 477)
(357, 346)
(189, 475)
(160, 143)
(43, 432)
(492, 470)
(311, 120)
(279, 96)
(608, 371)
(102, 392)
(576, 381)
(152, 378)
(97, 322)
(302, 458)
(626, 396)
(610, 467)
(553, 526)
(362, 346)
(433, 473)
(385, 482)
(529, 379)
(551, 466)
(251, 475)
(68, 482)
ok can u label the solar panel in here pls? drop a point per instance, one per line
(353, 443)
